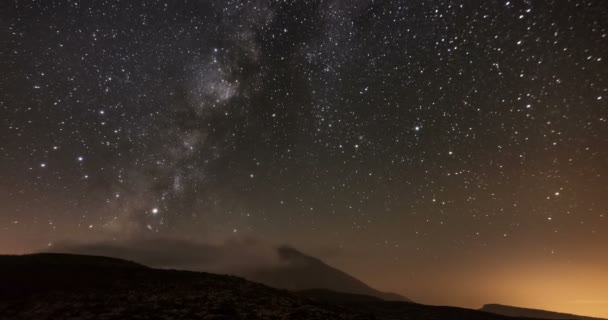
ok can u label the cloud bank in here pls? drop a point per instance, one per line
(232, 256)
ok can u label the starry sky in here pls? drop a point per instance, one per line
(455, 152)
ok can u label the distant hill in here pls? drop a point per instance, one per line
(531, 313)
(298, 272)
(289, 268)
(65, 260)
(59, 286)
(396, 310)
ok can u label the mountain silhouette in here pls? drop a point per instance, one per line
(62, 286)
(281, 267)
(297, 271)
(532, 313)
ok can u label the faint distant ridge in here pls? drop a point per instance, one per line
(65, 260)
(532, 313)
(298, 271)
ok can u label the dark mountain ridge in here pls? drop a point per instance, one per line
(59, 286)
(299, 272)
(281, 267)
(532, 313)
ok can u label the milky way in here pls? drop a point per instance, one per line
(391, 138)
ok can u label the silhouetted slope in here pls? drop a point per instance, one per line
(532, 313)
(297, 271)
(53, 286)
(28, 274)
(336, 297)
(58, 286)
(283, 267)
(397, 310)
(66, 260)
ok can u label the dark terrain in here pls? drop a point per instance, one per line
(532, 313)
(62, 286)
(298, 271)
(293, 269)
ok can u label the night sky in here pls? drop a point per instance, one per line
(455, 152)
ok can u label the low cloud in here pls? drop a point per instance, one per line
(232, 256)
